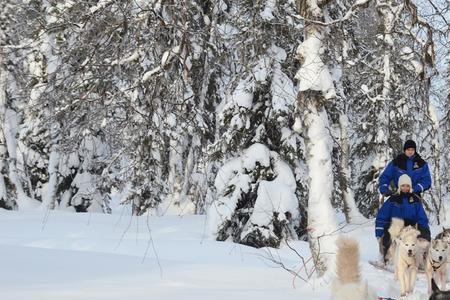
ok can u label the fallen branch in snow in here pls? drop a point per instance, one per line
(277, 261)
(296, 273)
(303, 264)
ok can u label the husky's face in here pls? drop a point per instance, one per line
(438, 250)
(408, 241)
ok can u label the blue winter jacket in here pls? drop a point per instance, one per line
(406, 206)
(416, 168)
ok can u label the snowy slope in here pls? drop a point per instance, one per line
(96, 256)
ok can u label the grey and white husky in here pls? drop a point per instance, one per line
(436, 264)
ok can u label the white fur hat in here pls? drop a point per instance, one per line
(404, 179)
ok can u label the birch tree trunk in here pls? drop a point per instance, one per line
(3, 151)
(316, 89)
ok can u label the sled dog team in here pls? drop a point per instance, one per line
(349, 286)
(403, 233)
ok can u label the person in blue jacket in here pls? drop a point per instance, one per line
(410, 163)
(402, 205)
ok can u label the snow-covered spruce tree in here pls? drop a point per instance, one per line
(257, 199)
(257, 204)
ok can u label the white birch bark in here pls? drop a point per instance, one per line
(316, 87)
(322, 224)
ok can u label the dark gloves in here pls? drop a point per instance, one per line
(388, 193)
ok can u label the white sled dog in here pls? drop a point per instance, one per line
(436, 265)
(348, 284)
(405, 259)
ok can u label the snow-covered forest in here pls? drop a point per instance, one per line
(273, 119)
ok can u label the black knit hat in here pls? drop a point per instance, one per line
(409, 144)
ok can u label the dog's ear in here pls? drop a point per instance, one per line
(434, 286)
(423, 244)
(417, 232)
(434, 242)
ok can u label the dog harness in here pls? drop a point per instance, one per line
(433, 264)
(406, 262)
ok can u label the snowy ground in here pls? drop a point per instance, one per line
(94, 256)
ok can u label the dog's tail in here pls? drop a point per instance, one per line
(347, 261)
(395, 227)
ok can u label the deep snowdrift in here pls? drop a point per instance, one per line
(93, 256)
